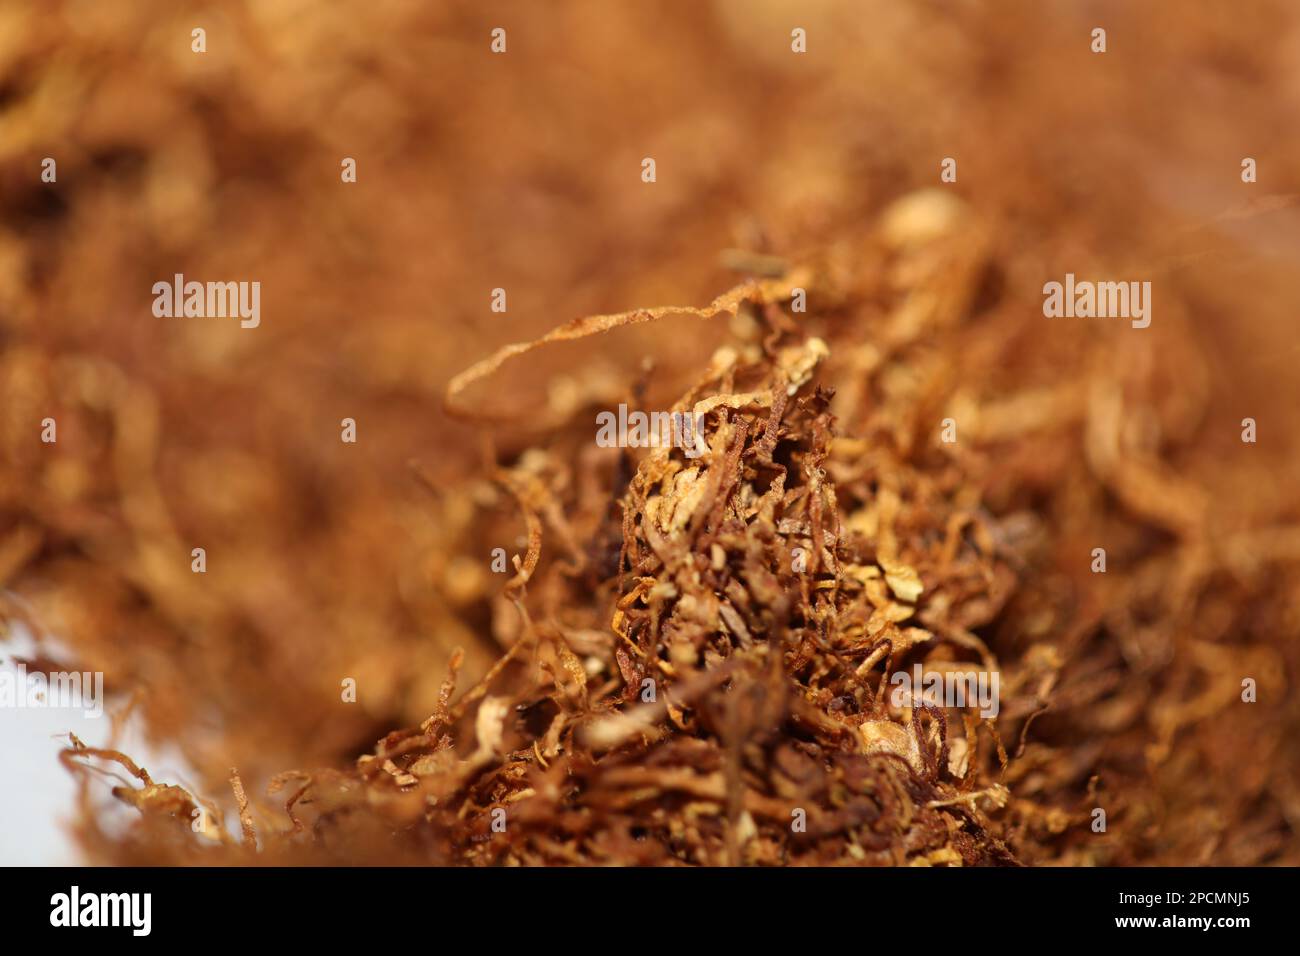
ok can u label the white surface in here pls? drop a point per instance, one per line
(37, 793)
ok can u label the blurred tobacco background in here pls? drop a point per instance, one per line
(521, 171)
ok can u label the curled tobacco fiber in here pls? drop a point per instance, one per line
(696, 650)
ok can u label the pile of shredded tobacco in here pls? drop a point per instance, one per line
(688, 659)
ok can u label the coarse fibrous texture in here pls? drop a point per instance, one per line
(769, 588)
(697, 672)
